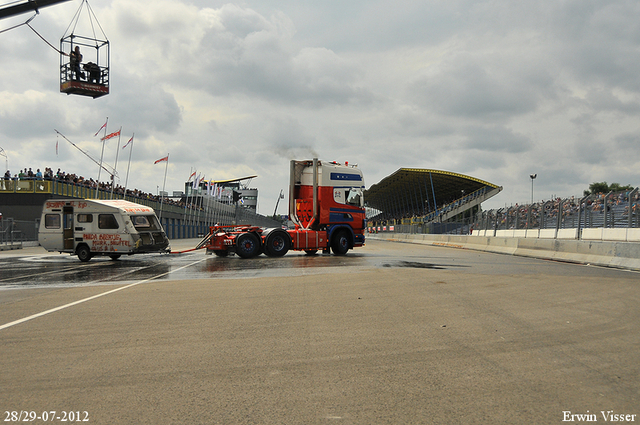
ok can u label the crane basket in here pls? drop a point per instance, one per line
(77, 74)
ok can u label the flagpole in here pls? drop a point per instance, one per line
(101, 156)
(209, 212)
(163, 183)
(191, 212)
(200, 208)
(85, 154)
(128, 165)
(115, 167)
(186, 198)
(206, 210)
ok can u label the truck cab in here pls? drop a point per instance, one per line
(328, 196)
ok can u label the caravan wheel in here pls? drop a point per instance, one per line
(84, 253)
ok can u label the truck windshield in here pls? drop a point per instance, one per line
(145, 222)
(354, 197)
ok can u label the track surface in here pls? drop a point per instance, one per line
(391, 333)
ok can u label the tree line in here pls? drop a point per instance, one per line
(603, 187)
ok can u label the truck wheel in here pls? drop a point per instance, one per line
(277, 244)
(221, 252)
(340, 243)
(247, 245)
(84, 253)
(114, 256)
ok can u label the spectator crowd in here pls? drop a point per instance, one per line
(74, 179)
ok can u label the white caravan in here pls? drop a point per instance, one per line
(89, 227)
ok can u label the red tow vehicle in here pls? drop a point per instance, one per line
(326, 206)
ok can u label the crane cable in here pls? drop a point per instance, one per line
(19, 25)
(73, 22)
(43, 39)
(91, 15)
(32, 29)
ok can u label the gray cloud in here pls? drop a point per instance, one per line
(469, 88)
(492, 90)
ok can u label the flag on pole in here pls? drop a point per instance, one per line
(166, 158)
(127, 144)
(109, 136)
(103, 126)
(191, 176)
(56, 147)
(196, 182)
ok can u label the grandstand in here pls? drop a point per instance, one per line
(548, 218)
(425, 196)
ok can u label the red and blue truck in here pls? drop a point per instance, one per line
(326, 207)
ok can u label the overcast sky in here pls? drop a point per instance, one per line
(493, 89)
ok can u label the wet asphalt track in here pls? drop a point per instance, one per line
(36, 268)
(389, 334)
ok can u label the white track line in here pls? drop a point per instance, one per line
(62, 307)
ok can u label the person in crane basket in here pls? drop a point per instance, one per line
(75, 57)
(93, 71)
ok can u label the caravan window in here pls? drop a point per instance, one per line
(145, 222)
(107, 221)
(140, 222)
(85, 218)
(52, 221)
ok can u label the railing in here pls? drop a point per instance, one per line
(15, 231)
(63, 188)
(612, 216)
(615, 209)
(193, 220)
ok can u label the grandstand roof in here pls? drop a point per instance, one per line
(414, 190)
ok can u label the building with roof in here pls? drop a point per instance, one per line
(423, 195)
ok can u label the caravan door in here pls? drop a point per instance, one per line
(67, 232)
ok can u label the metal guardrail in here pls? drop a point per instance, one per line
(613, 210)
(16, 231)
(194, 219)
(63, 188)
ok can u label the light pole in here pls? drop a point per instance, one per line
(533, 176)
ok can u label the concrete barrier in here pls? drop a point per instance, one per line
(567, 234)
(594, 234)
(614, 235)
(504, 233)
(633, 235)
(597, 252)
(10, 246)
(547, 233)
